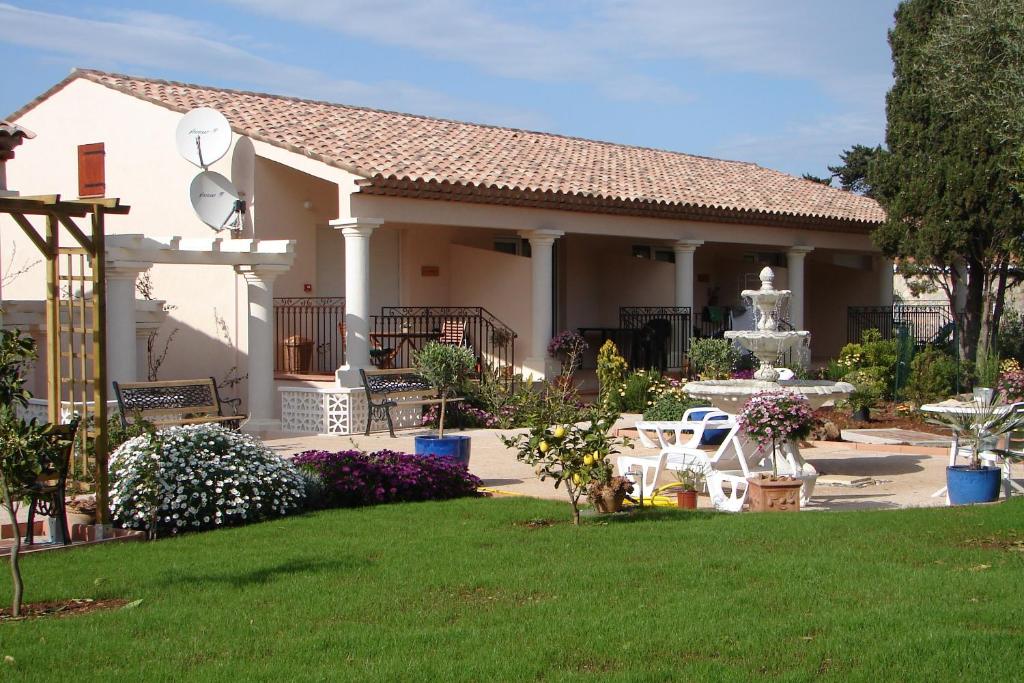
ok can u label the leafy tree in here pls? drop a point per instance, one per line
(853, 172)
(945, 178)
(445, 366)
(817, 179)
(19, 441)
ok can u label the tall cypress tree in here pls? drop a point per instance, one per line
(952, 211)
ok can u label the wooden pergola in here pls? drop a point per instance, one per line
(76, 345)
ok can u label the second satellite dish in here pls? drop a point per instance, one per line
(203, 136)
(215, 200)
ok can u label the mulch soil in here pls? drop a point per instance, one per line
(883, 417)
(61, 608)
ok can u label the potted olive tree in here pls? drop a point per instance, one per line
(445, 367)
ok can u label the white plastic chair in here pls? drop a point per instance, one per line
(732, 501)
(649, 468)
(643, 471)
(685, 432)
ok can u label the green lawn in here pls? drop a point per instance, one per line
(458, 590)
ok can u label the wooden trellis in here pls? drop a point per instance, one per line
(76, 349)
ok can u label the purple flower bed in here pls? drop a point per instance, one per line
(354, 478)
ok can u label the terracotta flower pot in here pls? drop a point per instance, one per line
(610, 501)
(686, 500)
(767, 494)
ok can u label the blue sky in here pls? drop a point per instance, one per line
(786, 84)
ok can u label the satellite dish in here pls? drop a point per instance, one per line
(203, 136)
(216, 201)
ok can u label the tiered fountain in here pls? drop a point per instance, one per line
(767, 343)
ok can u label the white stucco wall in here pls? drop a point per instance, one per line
(144, 169)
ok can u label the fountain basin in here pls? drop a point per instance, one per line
(729, 395)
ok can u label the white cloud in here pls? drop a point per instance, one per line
(839, 46)
(133, 40)
(461, 32)
(800, 147)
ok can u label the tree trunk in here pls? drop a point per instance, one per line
(995, 308)
(18, 587)
(974, 309)
(440, 421)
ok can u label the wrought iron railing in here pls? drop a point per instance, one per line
(664, 334)
(400, 330)
(926, 323)
(309, 335)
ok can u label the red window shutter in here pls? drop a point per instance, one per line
(91, 171)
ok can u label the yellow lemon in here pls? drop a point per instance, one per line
(543, 446)
(588, 460)
(576, 479)
(559, 432)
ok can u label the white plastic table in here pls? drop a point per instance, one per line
(953, 407)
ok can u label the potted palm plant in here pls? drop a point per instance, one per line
(978, 425)
(446, 368)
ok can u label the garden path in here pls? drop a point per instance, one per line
(901, 476)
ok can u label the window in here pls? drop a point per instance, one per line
(91, 170)
(665, 255)
(646, 252)
(512, 245)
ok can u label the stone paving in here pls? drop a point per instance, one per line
(892, 437)
(901, 476)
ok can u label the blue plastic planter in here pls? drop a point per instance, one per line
(456, 447)
(711, 437)
(968, 486)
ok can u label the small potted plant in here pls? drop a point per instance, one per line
(867, 392)
(690, 479)
(771, 419)
(607, 493)
(445, 367)
(567, 347)
(978, 426)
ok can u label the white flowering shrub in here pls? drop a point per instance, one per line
(199, 477)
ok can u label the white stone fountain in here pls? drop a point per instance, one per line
(767, 342)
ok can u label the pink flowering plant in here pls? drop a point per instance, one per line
(773, 417)
(1011, 384)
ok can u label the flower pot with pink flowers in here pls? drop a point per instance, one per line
(775, 420)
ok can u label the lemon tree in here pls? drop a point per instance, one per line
(574, 454)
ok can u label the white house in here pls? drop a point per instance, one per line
(501, 229)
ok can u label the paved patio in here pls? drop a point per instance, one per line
(901, 476)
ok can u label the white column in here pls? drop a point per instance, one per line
(885, 280)
(684, 272)
(795, 264)
(541, 264)
(260, 281)
(357, 233)
(121, 342)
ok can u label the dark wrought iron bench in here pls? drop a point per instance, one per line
(174, 402)
(47, 493)
(399, 387)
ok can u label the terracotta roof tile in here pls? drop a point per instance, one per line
(389, 146)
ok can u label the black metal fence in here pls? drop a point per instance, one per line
(309, 335)
(400, 330)
(675, 320)
(926, 323)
